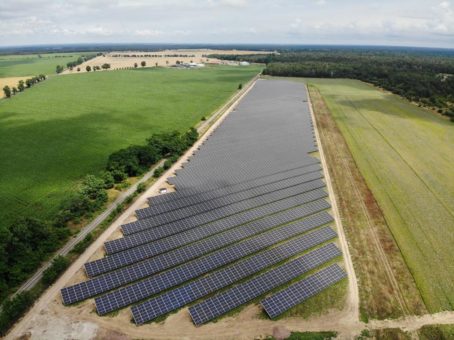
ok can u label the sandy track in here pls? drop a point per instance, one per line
(352, 304)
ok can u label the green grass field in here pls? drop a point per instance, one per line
(406, 155)
(58, 131)
(33, 64)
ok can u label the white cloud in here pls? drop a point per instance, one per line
(407, 22)
(147, 33)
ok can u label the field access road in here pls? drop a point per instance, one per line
(202, 128)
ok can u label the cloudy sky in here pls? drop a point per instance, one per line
(386, 22)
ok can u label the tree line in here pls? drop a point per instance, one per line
(28, 241)
(22, 85)
(70, 65)
(425, 78)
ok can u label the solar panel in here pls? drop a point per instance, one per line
(115, 279)
(302, 290)
(238, 295)
(194, 290)
(155, 209)
(192, 250)
(172, 197)
(211, 228)
(212, 215)
(215, 203)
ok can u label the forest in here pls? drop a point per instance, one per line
(425, 77)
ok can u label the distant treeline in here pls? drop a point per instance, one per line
(424, 78)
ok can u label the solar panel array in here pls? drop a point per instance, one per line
(157, 284)
(287, 298)
(156, 209)
(202, 231)
(192, 250)
(238, 295)
(175, 226)
(129, 274)
(248, 203)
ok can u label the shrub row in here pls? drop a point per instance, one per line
(72, 64)
(8, 91)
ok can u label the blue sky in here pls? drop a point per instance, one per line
(427, 23)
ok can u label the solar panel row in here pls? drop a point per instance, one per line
(211, 196)
(212, 215)
(194, 249)
(238, 295)
(115, 279)
(192, 291)
(211, 228)
(180, 196)
(248, 169)
(300, 291)
(195, 209)
(213, 281)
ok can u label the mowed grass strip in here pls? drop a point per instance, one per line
(55, 133)
(405, 153)
(34, 64)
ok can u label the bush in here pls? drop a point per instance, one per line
(13, 309)
(118, 175)
(141, 187)
(167, 164)
(82, 245)
(108, 179)
(166, 143)
(158, 172)
(58, 266)
(133, 160)
(90, 197)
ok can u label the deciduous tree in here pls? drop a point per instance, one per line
(7, 91)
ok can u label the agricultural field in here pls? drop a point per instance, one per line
(405, 155)
(33, 64)
(58, 131)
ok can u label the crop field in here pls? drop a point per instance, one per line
(33, 64)
(58, 131)
(405, 155)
